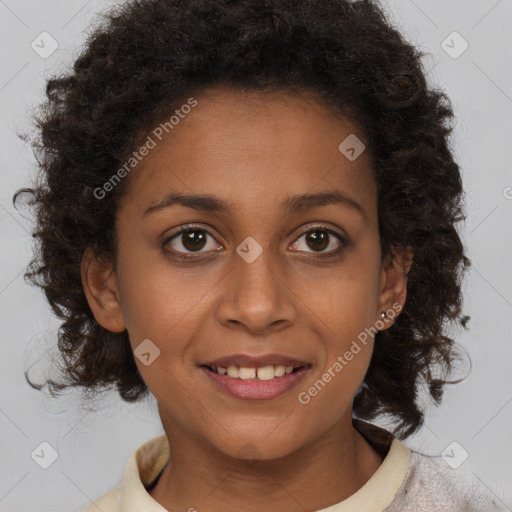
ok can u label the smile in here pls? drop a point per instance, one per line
(262, 373)
(256, 383)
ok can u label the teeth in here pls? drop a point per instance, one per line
(279, 370)
(247, 373)
(263, 373)
(234, 372)
(266, 373)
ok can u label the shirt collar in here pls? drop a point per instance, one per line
(142, 468)
(145, 464)
(380, 490)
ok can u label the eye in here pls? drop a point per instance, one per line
(319, 239)
(192, 239)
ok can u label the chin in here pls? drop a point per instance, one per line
(257, 445)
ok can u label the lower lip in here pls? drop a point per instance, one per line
(255, 389)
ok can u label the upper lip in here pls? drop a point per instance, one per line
(248, 361)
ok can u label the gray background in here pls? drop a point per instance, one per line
(93, 447)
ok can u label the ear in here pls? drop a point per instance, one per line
(393, 284)
(100, 286)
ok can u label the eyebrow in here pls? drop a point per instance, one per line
(292, 204)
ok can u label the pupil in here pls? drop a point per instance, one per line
(191, 238)
(320, 238)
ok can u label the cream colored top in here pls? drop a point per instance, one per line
(405, 481)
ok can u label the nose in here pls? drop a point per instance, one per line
(256, 295)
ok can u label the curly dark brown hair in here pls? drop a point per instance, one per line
(140, 62)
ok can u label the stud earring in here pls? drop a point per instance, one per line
(384, 316)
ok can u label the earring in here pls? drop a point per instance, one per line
(384, 315)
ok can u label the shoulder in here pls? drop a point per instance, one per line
(109, 502)
(142, 467)
(430, 485)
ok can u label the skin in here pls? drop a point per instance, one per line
(253, 151)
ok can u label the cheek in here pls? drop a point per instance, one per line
(344, 309)
(159, 299)
(345, 299)
(345, 325)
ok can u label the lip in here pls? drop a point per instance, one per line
(254, 389)
(249, 361)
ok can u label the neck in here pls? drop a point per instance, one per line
(315, 476)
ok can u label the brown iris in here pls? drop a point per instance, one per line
(319, 239)
(194, 239)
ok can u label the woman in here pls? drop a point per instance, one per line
(249, 210)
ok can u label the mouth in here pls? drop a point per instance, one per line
(262, 373)
(255, 378)
(261, 367)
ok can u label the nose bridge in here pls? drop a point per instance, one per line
(258, 275)
(256, 282)
(257, 295)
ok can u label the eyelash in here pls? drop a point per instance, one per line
(191, 227)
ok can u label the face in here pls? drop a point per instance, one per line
(282, 259)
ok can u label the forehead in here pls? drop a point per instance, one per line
(252, 150)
